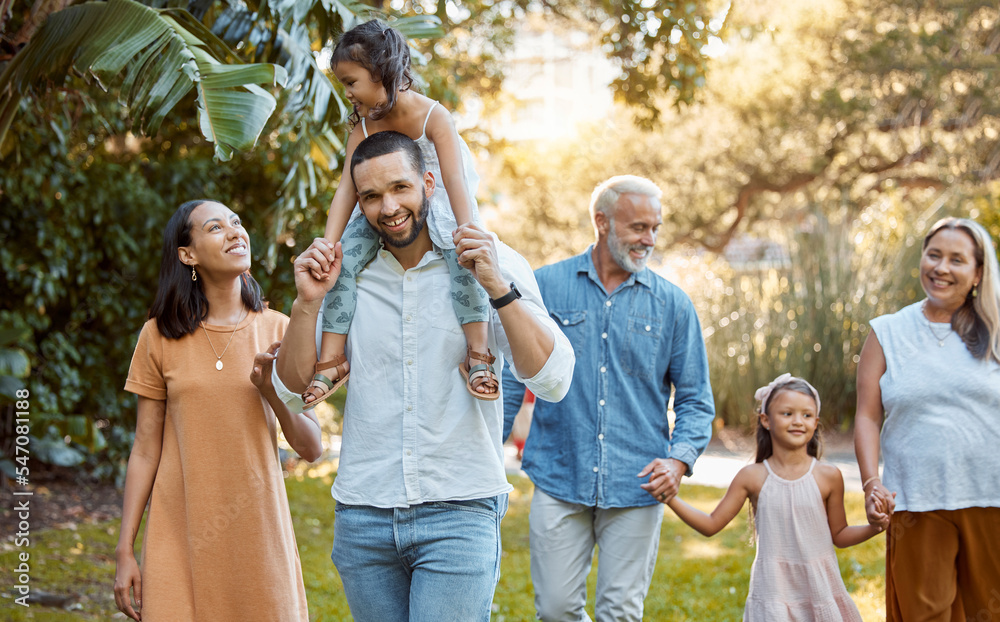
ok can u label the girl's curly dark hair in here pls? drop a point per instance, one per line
(384, 53)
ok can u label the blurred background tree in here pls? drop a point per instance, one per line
(113, 113)
(829, 137)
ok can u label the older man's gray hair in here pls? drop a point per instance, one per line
(606, 193)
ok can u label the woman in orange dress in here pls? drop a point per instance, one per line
(218, 543)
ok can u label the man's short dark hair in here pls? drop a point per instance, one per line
(384, 143)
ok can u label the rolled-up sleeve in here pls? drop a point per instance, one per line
(291, 399)
(553, 380)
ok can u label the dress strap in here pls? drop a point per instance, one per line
(768, 467)
(811, 466)
(364, 128)
(423, 130)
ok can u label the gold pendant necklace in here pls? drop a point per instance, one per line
(930, 326)
(218, 362)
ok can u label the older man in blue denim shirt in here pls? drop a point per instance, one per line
(604, 458)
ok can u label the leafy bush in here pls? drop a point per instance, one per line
(81, 219)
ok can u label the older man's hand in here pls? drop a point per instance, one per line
(664, 478)
(317, 269)
(477, 251)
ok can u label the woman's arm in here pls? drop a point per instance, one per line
(345, 198)
(723, 514)
(139, 476)
(843, 534)
(302, 430)
(867, 431)
(441, 131)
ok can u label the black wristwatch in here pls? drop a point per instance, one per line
(507, 298)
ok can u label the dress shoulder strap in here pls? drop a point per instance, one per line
(811, 466)
(364, 128)
(768, 467)
(423, 130)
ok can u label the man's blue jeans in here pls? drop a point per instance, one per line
(434, 562)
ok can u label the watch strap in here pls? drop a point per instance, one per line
(507, 298)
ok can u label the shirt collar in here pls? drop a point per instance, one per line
(429, 256)
(584, 263)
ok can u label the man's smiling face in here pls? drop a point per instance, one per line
(393, 197)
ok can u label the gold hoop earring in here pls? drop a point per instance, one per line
(194, 275)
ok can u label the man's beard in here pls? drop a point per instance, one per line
(620, 253)
(416, 227)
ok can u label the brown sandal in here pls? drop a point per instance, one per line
(484, 371)
(340, 362)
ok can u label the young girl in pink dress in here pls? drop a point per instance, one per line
(798, 510)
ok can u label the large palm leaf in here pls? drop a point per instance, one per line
(164, 54)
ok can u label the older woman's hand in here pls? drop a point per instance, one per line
(879, 505)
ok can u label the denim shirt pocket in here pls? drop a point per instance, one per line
(642, 345)
(573, 325)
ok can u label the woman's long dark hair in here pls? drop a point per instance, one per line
(384, 53)
(764, 447)
(180, 303)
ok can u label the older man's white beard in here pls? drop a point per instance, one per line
(620, 253)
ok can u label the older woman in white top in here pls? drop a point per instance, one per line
(931, 371)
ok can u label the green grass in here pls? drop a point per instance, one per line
(696, 578)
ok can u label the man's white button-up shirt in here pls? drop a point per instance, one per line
(412, 431)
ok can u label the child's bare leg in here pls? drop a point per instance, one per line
(331, 346)
(476, 337)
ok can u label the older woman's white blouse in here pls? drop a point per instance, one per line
(941, 435)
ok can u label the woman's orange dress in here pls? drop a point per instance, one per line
(219, 543)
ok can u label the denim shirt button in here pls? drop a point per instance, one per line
(604, 335)
(600, 437)
(565, 322)
(607, 304)
(596, 469)
(604, 370)
(601, 402)
(648, 329)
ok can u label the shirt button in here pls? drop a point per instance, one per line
(604, 335)
(409, 407)
(604, 370)
(409, 362)
(600, 437)
(565, 322)
(409, 318)
(409, 453)
(648, 329)
(409, 278)
(596, 469)
(601, 402)
(607, 304)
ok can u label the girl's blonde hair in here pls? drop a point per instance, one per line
(977, 322)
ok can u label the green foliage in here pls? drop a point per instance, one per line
(164, 54)
(80, 266)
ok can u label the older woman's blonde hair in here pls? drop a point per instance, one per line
(978, 320)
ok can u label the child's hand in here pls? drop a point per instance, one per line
(260, 375)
